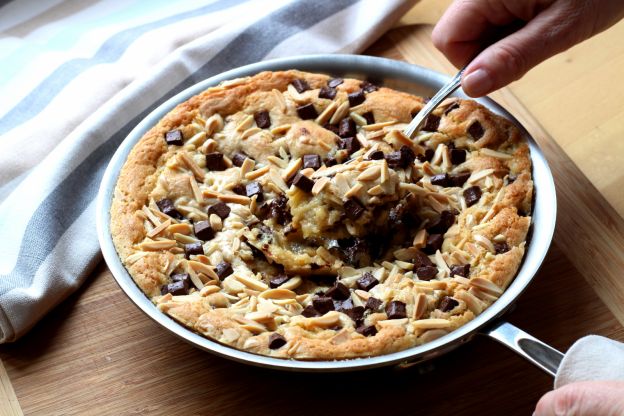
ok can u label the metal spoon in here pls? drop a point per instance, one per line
(414, 126)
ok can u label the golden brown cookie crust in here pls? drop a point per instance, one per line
(241, 310)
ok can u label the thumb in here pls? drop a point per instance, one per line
(591, 398)
(553, 30)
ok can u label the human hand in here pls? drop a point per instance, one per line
(591, 398)
(547, 27)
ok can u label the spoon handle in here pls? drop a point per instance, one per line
(415, 125)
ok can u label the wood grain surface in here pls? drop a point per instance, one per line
(98, 354)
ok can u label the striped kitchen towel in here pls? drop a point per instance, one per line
(77, 76)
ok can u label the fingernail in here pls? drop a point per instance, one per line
(477, 83)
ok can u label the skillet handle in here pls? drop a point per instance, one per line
(542, 355)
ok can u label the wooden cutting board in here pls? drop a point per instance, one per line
(98, 354)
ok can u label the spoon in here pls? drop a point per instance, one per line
(417, 122)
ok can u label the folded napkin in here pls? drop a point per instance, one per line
(76, 77)
(591, 358)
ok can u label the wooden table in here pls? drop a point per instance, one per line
(97, 354)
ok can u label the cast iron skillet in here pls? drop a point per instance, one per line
(403, 77)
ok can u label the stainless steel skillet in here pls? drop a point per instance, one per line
(403, 77)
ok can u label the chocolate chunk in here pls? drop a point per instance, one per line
(193, 248)
(333, 83)
(338, 291)
(441, 224)
(368, 86)
(459, 179)
(174, 137)
(366, 330)
(181, 277)
(311, 161)
(278, 210)
(220, 209)
(356, 253)
(300, 85)
(367, 282)
(215, 161)
(310, 312)
(401, 158)
(450, 108)
(458, 156)
(327, 92)
(460, 270)
(256, 252)
(276, 281)
(223, 270)
(254, 188)
(370, 118)
(476, 130)
(303, 182)
(323, 304)
(356, 98)
(238, 159)
(203, 231)
(353, 208)
(356, 313)
(239, 189)
(343, 305)
(373, 304)
(396, 310)
(330, 161)
(500, 248)
(307, 112)
(447, 304)
(441, 179)
(432, 123)
(427, 156)
(350, 144)
(331, 127)
(426, 272)
(376, 155)
(434, 243)
(166, 207)
(276, 341)
(263, 120)
(347, 128)
(421, 259)
(472, 195)
(177, 288)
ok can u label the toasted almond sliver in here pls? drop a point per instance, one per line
(187, 160)
(486, 286)
(328, 320)
(184, 239)
(152, 217)
(159, 229)
(208, 290)
(413, 188)
(257, 173)
(431, 284)
(203, 268)
(420, 239)
(420, 305)
(378, 126)
(431, 323)
(494, 153)
(251, 282)
(281, 101)
(213, 124)
(246, 123)
(277, 294)
(292, 168)
(236, 199)
(277, 161)
(484, 242)
(477, 176)
(354, 191)
(247, 166)
(327, 113)
(392, 322)
(207, 193)
(362, 294)
(376, 190)
(341, 112)
(250, 132)
(279, 130)
(359, 120)
(157, 245)
(370, 174)
(195, 188)
(215, 222)
(319, 185)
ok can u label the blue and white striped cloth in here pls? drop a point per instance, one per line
(77, 76)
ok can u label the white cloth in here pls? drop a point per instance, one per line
(591, 358)
(77, 76)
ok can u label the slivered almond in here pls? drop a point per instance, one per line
(494, 153)
(215, 222)
(483, 295)
(370, 174)
(376, 190)
(327, 113)
(341, 112)
(245, 123)
(292, 283)
(208, 290)
(392, 322)
(295, 95)
(157, 245)
(385, 172)
(184, 239)
(358, 119)
(250, 132)
(281, 101)
(257, 173)
(354, 191)
(319, 185)
(236, 199)
(378, 126)
(477, 176)
(484, 242)
(195, 188)
(186, 159)
(251, 282)
(277, 161)
(152, 217)
(486, 286)
(207, 193)
(420, 239)
(292, 168)
(431, 323)
(214, 124)
(280, 130)
(413, 188)
(159, 229)
(247, 166)
(277, 294)
(197, 139)
(420, 305)
(203, 268)
(362, 294)
(330, 319)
